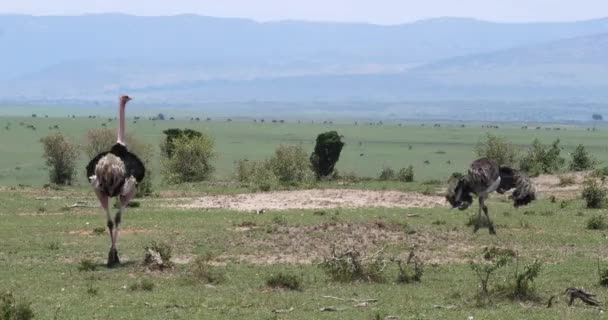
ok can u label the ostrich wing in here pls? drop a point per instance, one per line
(135, 167)
(92, 164)
(524, 192)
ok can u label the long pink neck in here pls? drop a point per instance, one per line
(121, 128)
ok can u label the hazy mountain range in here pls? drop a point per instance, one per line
(192, 59)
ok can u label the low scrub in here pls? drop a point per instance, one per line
(387, 174)
(542, 159)
(594, 193)
(61, 156)
(189, 159)
(350, 265)
(87, 265)
(581, 160)
(143, 285)
(10, 309)
(597, 222)
(202, 271)
(411, 270)
(288, 167)
(158, 256)
(406, 174)
(284, 281)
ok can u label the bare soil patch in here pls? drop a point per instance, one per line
(317, 199)
(550, 184)
(309, 244)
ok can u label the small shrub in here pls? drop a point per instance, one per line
(597, 222)
(61, 156)
(99, 231)
(410, 271)
(143, 285)
(542, 159)
(498, 149)
(320, 213)
(203, 272)
(581, 160)
(87, 265)
(387, 174)
(350, 266)
(53, 246)
(603, 274)
(552, 199)
(10, 309)
(190, 159)
(279, 220)
(284, 281)
(92, 290)
(406, 174)
(522, 289)
(158, 256)
(601, 172)
(438, 222)
(483, 270)
(594, 193)
(564, 204)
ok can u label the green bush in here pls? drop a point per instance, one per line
(498, 149)
(284, 281)
(10, 309)
(594, 193)
(61, 156)
(581, 160)
(288, 166)
(387, 174)
(326, 154)
(597, 223)
(350, 266)
(202, 271)
(542, 159)
(189, 160)
(406, 174)
(168, 146)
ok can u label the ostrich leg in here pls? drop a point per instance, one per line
(482, 201)
(104, 200)
(478, 221)
(124, 201)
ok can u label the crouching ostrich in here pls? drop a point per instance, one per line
(115, 173)
(484, 177)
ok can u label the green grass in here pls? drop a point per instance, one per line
(387, 145)
(48, 276)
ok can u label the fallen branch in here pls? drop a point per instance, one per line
(351, 299)
(331, 309)
(283, 310)
(576, 293)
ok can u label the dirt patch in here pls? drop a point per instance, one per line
(317, 199)
(309, 244)
(550, 184)
(126, 231)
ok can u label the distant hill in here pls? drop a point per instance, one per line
(97, 55)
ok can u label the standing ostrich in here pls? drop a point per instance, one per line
(115, 173)
(483, 178)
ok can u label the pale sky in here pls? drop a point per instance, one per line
(373, 11)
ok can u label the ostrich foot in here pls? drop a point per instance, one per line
(492, 230)
(113, 260)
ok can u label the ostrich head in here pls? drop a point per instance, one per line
(459, 194)
(124, 99)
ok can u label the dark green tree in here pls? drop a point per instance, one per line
(172, 134)
(581, 159)
(326, 153)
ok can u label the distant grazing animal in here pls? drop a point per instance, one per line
(116, 173)
(484, 177)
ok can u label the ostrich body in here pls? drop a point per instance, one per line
(484, 177)
(115, 173)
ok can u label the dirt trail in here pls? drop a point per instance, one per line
(317, 199)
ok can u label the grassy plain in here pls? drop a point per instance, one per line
(43, 239)
(43, 243)
(368, 148)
